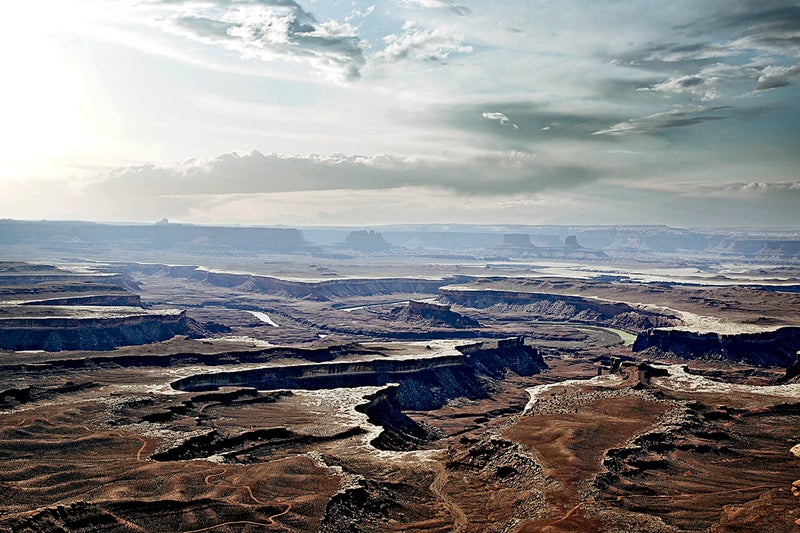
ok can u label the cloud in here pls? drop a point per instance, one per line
(273, 29)
(657, 122)
(771, 25)
(677, 52)
(417, 4)
(773, 77)
(703, 87)
(501, 118)
(745, 46)
(255, 173)
(418, 44)
(757, 188)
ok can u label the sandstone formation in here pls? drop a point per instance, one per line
(328, 420)
(775, 347)
(51, 309)
(434, 315)
(424, 383)
(547, 306)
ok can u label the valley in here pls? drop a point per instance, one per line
(389, 391)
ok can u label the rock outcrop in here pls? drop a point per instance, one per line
(399, 431)
(776, 347)
(433, 315)
(793, 372)
(424, 383)
(545, 306)
(317, 290)
(47, 308)
(56, 334)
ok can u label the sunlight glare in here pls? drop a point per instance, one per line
(43, 97)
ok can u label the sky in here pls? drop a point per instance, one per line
(312, 112)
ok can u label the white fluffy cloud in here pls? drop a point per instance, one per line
(273, 29)
(435, 4)
(420, 44)
(501, 118)
(703, 87)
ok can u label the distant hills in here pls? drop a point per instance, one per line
(554, 242)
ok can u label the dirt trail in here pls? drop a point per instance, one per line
(271, 519)
(240, 522)
(437, 487)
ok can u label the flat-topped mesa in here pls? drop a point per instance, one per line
(517, 240)
(771, 347)
(318, 290)
(366, 240)
(86, 235)
(54, 334)
(127, 300)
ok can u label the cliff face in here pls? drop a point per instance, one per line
(130, 300)
(399, 431)
(493, 359)
(768, 348)
(320, 290)
(56, 334)
(425, 383)
(544, 306)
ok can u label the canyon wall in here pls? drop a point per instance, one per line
(56, 334)
(545, 306)
(767, 348)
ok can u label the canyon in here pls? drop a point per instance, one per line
(434, 388)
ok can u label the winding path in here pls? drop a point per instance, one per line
(270, 521)
(437, 487)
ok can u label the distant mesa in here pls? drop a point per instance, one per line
(163, 235)
(517, 240)
(517, 244)
(571, 243)
(762, 248)
(366, 240)
(520, 245)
